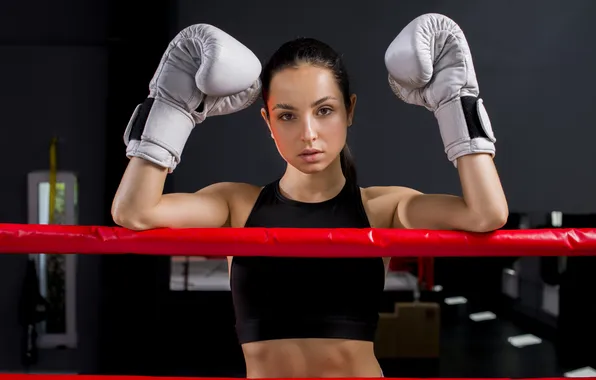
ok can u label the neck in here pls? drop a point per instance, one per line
(316, 187)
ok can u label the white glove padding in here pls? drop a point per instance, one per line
(430, 65)
(203, 67)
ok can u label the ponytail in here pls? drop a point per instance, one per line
(348, 168)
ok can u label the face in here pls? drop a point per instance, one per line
(307, 117)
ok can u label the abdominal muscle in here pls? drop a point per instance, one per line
(310, 358)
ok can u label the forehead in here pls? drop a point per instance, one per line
(302, 85)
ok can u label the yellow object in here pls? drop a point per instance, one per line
(53, 171)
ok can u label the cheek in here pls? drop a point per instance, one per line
(335, 133)
(284, 137)
(279, 132)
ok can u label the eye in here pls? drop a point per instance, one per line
(324, 111)
(285, 116)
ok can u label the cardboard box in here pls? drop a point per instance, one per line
(411, 331)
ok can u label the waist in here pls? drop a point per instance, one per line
(316, 328)
(308, 358)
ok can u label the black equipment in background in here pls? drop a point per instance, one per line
(32, 310)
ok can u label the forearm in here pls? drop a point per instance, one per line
(482, 208)
(140, 190)
(482, 191)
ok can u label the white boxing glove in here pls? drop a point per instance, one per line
(430, 65)
(203, 72)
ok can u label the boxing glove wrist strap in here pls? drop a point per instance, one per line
(465, 128)
(157, 132)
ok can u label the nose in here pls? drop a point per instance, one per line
(309, 130)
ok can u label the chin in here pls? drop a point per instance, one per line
(312, 168)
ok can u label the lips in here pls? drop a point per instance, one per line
(311, 155)
(310, 152)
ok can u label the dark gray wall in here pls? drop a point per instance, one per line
(535, 72)
(54, 68)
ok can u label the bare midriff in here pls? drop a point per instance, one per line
(310, 358)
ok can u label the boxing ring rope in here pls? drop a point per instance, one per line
(91, 377)
(284, 242)
(294, 242)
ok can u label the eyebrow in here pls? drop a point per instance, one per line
(290, 107)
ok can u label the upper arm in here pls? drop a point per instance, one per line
(403, 207)
(409, 208)
(208, 207)
(482, 208)
(384, 203)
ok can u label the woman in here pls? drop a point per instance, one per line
(298, 317)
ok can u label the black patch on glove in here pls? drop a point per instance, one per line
(138, 125)
(201, 107)
(472, 119)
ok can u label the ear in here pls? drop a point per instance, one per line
(264, 116)
(351, 110)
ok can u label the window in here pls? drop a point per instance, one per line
(57, 273)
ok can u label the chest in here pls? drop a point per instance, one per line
(377, 214)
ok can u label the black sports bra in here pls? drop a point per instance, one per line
(290, 298)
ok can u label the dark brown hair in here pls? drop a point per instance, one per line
(317, 53)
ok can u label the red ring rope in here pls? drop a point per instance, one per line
(31, 238)
(90, 377)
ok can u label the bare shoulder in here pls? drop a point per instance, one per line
(381, 203)
(234, 193)
(387, 193)
(239, 196)
(230, 189)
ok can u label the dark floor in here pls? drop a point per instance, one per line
(479, 349)
(468, 349)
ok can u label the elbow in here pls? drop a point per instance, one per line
(130, 220)
(492, 220)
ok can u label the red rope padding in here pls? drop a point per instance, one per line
(30, 238)
(89, 377)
